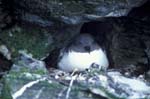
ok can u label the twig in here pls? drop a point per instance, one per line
(71, 83)
(39, 93)
(61, 93)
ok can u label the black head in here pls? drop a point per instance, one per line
(84, 43)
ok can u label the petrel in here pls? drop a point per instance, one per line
(81, 54)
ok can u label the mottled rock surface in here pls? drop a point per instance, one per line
(43, 27)
(48, 12)
(29, 78)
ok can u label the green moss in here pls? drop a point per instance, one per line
(34, 41)
(40, 72)
(55, 85)
(5, 92)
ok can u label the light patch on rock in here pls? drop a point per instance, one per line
(92, 16)
(4, 50)
(10, 34)
(134, 84)
(24, 88)
(31, 62)
(29, 75)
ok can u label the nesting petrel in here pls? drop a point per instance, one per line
(81, 54)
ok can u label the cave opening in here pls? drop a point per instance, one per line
(134, 25)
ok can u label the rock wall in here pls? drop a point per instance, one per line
(53, 23)
(125, 41)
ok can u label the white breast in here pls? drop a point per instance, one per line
(81, 61)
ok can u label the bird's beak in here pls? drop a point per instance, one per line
(87, 48)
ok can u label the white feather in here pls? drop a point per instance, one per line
(81, 61)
